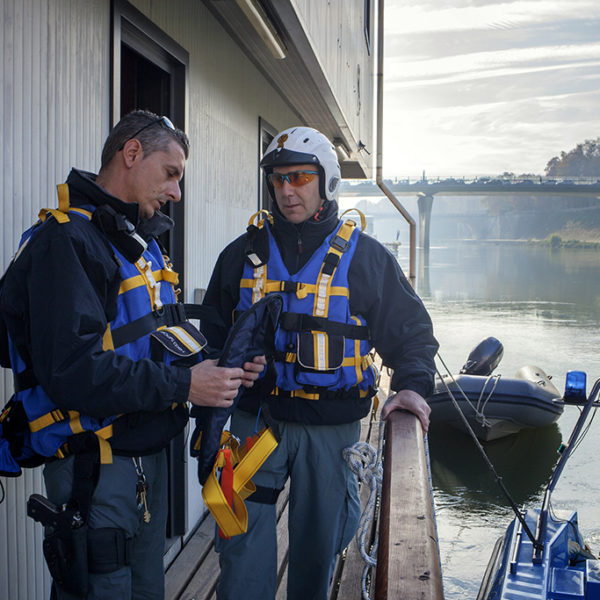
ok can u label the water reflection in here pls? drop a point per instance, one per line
(545, 309)
(492, 272)
(524, 461)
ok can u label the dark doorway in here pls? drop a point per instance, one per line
(149, 72)
(143, 84)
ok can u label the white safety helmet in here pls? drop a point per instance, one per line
(304, 145)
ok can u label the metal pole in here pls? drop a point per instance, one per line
(378, 168)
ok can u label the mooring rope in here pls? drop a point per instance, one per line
(366, 463)
(479, 415)
(483, 404)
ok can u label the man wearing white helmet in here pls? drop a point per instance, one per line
(344, 295)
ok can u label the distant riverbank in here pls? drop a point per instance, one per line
(568, 237)
(572, 236)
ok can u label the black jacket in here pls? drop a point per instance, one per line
(56, 301)
(400, 327)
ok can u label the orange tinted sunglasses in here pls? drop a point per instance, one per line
(295, 178)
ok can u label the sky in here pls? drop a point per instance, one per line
(477, 87)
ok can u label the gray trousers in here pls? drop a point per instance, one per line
(114, 504)
(324, 510)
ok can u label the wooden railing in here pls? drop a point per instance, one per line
(408, 565)
(408, 559)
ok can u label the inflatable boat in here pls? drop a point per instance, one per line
(494, 405)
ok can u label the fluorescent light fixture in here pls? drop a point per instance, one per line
(340, 150)
(263, 26)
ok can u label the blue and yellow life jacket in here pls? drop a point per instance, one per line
(149, 323)
(320, 346)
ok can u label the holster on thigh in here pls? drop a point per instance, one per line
(108, 550)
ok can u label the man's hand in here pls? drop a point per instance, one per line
(214, 386)
(411, 401)
(252, 370)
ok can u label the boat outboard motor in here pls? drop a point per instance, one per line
(484, 358)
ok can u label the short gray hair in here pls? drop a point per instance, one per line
(152, 139)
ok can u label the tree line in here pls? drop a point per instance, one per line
(581, 161)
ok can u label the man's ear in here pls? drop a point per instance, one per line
(132, 151)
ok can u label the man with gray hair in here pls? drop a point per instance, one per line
(105, 362)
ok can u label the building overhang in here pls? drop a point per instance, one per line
(299, 77)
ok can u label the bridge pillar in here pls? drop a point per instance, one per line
(424, 202)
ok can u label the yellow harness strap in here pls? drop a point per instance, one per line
(107, 339)
(363, 220)
(269, 285)
(323, 287)
(258, 284)
(261, 219)
(60, 213)
(54, 416)
(103, 436)
(233, 520)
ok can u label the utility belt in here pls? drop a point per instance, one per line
(72, 550)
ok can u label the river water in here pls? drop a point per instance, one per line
(544, 306)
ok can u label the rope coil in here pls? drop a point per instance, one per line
(366, 463)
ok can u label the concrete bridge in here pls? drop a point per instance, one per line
(426, 188)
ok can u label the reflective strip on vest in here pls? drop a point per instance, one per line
(328, 358)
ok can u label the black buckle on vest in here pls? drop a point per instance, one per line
(289, 287)
(330, 263)
(339, 243)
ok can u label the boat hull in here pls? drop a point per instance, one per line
(497, 406)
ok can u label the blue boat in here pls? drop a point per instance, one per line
(542, 555)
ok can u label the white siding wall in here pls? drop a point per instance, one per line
(226, 96)
(54, 107)
(336, 31)
(54, 103)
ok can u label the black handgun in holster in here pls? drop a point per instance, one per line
(65, 543)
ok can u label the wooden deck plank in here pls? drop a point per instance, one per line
(194, 573)
(283, 550)
(189, 560)
(204, 581)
